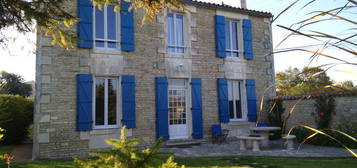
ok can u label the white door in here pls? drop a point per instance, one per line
(178, 126)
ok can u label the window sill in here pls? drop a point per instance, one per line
(106, 51)
(104, 131)
(234, 59)
(239, 122)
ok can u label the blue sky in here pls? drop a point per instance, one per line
(20, 58)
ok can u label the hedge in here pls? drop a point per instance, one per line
(16, 115)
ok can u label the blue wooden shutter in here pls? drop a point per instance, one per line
(84, 102)
(252, 100)
(128, 100)
(162, 111)
(197, 132)
(127, 27)
(222, 89)
(220, 36)
(247, 37)
(85, 25)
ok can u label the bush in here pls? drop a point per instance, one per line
(276, 117)
(321, 140)
(16, 113)
(127, 154)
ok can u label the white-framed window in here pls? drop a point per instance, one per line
(177, 95)
(233, 39)
(106, 28)
(106, 102)
(235, 100)
(175, 31)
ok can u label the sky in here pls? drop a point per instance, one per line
(19, 56)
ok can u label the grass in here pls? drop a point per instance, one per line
(226, 162)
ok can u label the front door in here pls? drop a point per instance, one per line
(178, 125)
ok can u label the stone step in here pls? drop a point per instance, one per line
(182, 143)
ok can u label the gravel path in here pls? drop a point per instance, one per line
(232, 149)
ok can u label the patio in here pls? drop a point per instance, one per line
(232, 149)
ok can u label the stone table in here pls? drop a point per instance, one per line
(264, 132)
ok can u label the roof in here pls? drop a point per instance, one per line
(228, 8)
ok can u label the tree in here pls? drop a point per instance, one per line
(348, 84)
(51, 16)
(294, 81)
(14, 84)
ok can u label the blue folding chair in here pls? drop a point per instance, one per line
(219, 134)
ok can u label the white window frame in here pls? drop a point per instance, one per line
(242, 94)
(118, 114)
(106, 40)
(239, 39)
(175, 34)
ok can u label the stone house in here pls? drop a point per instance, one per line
(171, 78)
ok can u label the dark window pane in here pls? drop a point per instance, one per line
(99, 101)
(239, 109)
(230, 108)
(112, 101)
(112, 23)
(99, 23)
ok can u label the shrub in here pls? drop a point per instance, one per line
(321, 140)
(127, 154)
(276, 117)
(16, 113)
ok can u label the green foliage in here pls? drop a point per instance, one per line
(54, 18)
(276, 117)
(127, 154)
(16, 113)
(293, 81)
(321, 140)
(14, 84)
(324, 109)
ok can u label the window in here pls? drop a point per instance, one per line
(177, 101)
(235, 100)
(106, 27)
(175, 31)
(106, 102)
(232, 29)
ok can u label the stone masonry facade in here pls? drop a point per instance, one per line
(56, 69)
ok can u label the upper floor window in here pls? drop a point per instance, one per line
(176, 44)
(232, 29)
(106, 27)
(235, 100)
(106, 102)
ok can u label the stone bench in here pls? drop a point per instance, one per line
(289, 141)
(255, 140)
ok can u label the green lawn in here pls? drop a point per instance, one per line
(226, 162)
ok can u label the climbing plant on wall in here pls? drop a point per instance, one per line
(324, 110)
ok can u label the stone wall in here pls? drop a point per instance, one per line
(56, 69)
(345, 109)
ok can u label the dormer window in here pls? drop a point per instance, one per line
(175, 31)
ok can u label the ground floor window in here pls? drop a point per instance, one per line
(106, 102)
(235, 101)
